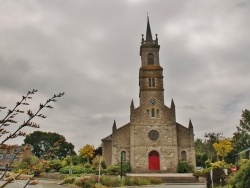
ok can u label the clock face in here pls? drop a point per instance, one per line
(152, 101)
(153, 135)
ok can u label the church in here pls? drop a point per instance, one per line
(153, 141)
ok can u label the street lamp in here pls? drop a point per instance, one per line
(121, 165)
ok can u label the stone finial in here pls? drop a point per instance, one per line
(190, 126)
(114, 127)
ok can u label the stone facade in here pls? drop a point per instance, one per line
(152, 140)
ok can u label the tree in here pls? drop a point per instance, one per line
(87, 151)
(223, 147)
(241, 138)
(41, 142)
(200, 152)
(211, 139)
(10, 119)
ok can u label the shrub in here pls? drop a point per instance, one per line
(184, 167)
(135, 181)
(126, 168)
(242, 178)
(155, 181)
(87, 165)
(55, 164)
(73, 169)
(113, 169)
(69, 179)
(85, 182)
(110, 181)
(219, 177)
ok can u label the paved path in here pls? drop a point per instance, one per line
(42, 184)
(161, 175)
(173, 186)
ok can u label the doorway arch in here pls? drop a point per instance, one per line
(153, 160)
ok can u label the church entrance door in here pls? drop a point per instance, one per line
(153, 160)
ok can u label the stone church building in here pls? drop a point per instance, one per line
(152, 141)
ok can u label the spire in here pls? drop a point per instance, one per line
(132, 107)
(114, 127)
(190, 124)
(172, 104)
(148, 32)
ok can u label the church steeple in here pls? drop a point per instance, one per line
(150, 76)
(148, 32)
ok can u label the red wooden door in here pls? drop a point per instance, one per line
(154, 160)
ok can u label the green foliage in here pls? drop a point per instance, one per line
(211, 138)
(126, 168)
(184, 167)
(75, 170)
(43, 142)
(200, 159)
(96, 160)
(55, 165)
(69, 179)
(242, 178)
(135, 181)
(31, 165)
(86, 182)
(113, 169)
(219, 177)
(110, 181)
(241, 138)
(87, 165)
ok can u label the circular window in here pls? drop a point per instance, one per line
(153, 135)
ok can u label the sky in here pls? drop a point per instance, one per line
(89, 49)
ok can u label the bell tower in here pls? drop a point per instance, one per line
(150, 74)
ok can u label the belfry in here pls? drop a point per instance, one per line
(152, 141)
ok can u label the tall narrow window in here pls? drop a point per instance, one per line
(153, 112)
(157, 113)
(150, 59)
(148, 112)
(151, 82)
(183, 156)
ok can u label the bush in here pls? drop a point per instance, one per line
(55, 165)
(242, 178)
(73, 169)
(219, 177)
(113, 169)
(85, 182)
(184, 167)
(69, 179)
(133, 181)
(155, 181)
(126, 168)
(87, 165)
(110, 181)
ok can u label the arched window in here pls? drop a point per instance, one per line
(123, 155)
(153, 112)
(148, 112)
(150, 59)
(184, 156)
(158, 113)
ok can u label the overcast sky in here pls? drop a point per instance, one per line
(89, 49)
